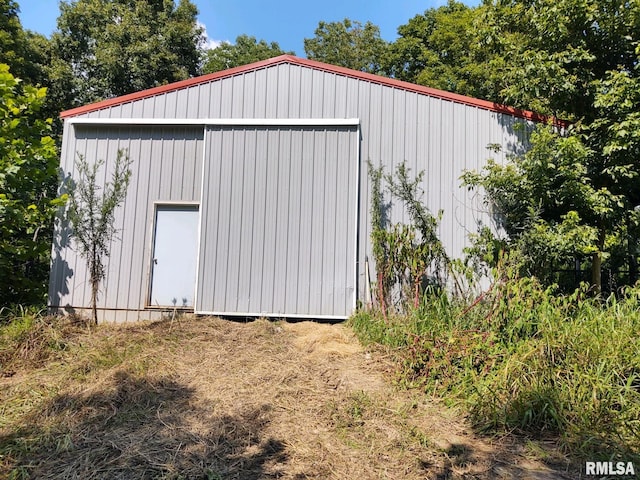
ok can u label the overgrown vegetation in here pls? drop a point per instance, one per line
(408, 257)
(525, 359)
(520, 357)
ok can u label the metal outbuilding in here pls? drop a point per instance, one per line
(250, 192)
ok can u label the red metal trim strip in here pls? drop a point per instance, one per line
(347, 72)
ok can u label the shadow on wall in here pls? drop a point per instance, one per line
(143, 427)
(60, 272)
(518, 131)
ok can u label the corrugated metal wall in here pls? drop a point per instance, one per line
(438, 136)
(278, 221)
(166, 166)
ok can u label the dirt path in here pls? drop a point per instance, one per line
(216, 399)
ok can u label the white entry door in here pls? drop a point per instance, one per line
(174, 256)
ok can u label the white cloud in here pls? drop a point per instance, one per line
(209, 43)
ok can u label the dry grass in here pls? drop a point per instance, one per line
(213, 399)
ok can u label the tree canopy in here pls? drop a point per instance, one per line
(103, 49)
(246, 50)
(440, 49)
(348, 44)
(25, 52)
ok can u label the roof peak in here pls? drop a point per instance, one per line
(316, 65)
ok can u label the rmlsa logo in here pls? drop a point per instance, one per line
(610, 468)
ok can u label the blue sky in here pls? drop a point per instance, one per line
(287, 22)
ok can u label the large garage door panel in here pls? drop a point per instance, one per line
(278, 231)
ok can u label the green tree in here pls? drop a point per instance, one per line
(28, 183)
(103, 49)
(246, 50)
(574, 197)
(555, 53)
(440, 49)
(25, 52)
(348, 44)
(92, 216)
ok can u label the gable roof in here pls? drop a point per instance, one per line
(325, 67)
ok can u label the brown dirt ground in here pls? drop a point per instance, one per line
(216, 399)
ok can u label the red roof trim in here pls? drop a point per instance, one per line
(411, 87)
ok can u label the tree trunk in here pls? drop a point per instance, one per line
(95, 284)
(94, 304)
(596, 264)
(631, 252)
(596, 272)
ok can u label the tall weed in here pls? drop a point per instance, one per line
(528, 359)
(578, 376)
(29, 338)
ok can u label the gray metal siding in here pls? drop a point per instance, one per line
(166, 167)
(278, 221)
(433, 135)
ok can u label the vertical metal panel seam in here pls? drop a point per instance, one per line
(107, 283)
(416, 135)
(77, 258)
(300, 284)
(366, 102)
(275, 207)
(136, 296)
(287, 112)
(242, 96)
(274, 114)
(357, 217)
(129, 261)
(313, 149)
(240, 210)
(183, 179)
(231, 160)
(264, 213)
(301, 142)
(253, 216)
(169, 149)
(197, 279)
(146, 283)
(323, 203)
(234, 81)
(198, 90)
(334, 188)
(298, 101)
(286, 260)
(254, 105)
(441, 158)
(217, 230)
